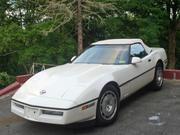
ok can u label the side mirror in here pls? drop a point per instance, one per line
(73, 58)
(135, 60)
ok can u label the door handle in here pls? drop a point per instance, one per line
(149, 60)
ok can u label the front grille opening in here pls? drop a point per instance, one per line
(56, 113)
(19, 106)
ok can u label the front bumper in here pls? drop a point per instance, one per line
(53, 116)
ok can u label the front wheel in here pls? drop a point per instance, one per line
(158, 77)
(108, 105)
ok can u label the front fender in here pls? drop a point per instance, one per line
(83, 94)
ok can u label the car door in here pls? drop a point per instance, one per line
(139, 74)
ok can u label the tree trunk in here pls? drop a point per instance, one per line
(172, 49)
(79, 27)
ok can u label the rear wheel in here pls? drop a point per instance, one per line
(108, 105)
(158, 77)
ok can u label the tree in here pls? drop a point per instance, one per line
(138, 19)
(12, 40)
(79, 26)
(153, 17)
(3, 7)
(24, 12)
(78, 10)
(173, 11)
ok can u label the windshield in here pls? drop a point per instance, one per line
(105, 54)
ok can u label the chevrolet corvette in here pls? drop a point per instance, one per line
(92, 86)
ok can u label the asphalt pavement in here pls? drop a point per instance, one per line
(145, 113)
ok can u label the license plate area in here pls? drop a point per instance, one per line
(31, 113)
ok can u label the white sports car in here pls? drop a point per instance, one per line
(92, 86)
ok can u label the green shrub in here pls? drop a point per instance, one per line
(5, 79)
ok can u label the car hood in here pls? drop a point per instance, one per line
(56, 82)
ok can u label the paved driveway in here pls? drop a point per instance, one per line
(145, 113)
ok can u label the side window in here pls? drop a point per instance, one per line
(137, 50)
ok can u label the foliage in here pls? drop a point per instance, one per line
(12, 40)
(24, 25)
(54, 48)
(5, 79)
(33, 46)
(63, 11)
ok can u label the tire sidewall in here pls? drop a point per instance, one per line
(99, 119)
(155, 86)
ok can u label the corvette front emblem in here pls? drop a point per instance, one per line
(42, 92)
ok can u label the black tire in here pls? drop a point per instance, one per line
(158, 77)
(108, 105)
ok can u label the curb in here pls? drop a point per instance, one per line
(23, 78)
(172, 74)
(17, 84)
(10, 88)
